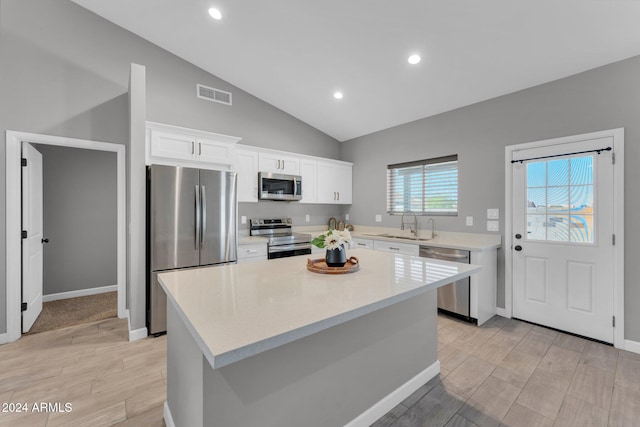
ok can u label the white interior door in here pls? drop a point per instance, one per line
(563, 237)
(32, 251)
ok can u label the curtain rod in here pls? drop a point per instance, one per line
(599, 150)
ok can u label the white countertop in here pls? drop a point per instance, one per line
(236, 311)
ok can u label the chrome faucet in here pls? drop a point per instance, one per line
(413, 226)
(433, 227)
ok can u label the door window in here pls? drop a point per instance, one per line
(560, 200)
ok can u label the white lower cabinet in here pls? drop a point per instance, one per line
(252, 252)
(398, 248)
(357, 242)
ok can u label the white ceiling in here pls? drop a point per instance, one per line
(295, 53)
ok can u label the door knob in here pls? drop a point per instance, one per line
(44, 241)
(518, 236)
(518, 248)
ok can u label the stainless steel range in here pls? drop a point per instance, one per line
(283, 242)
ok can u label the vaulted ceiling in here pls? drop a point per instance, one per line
(295, 54)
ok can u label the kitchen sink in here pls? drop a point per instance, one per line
(393, 236)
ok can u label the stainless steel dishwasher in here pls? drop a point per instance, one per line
(453, 298)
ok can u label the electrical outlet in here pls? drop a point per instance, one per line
(493, 213)
(469, 221)
(307, 217)
(346, 217)
(243, 219)
(378, 218)
(493, 226)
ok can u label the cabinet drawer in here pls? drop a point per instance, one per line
(361, 243)
(399, 248)
(255, 250)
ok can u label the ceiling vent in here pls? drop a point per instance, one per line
(213, 94)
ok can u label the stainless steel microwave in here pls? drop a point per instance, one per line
(275, 186)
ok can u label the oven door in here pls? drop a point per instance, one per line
(282, 251)
(273, 186)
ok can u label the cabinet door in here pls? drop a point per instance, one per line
(343, 184)
(279, 163)
(214, 151)
(172, 145)
(308, 173)
(247, 168)
(326, 183)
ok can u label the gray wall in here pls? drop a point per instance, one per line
(80, 218)
(599, 99)
(65, 72)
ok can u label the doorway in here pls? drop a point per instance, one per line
(13, 196)
(565, 234)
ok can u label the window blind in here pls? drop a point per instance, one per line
(424, 187)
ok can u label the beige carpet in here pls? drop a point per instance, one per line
(75, 311)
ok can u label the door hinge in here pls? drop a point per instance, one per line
(613, 322)
(613, 158)
(24, 162)
(24, 234)
(613, 239)
(24, 306)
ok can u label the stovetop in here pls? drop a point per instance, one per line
(278, 231)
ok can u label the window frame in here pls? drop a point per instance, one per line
(425, 165)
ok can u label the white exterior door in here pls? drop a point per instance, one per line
(563, 237)
(32, 251)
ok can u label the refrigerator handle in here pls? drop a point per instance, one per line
(197, 211)
(204, 215)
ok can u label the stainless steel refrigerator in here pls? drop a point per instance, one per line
(191, 222)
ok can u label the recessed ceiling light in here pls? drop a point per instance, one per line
(414, 59)
(215, 14)
(338, 95)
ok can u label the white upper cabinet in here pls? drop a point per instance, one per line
(334, 182)
(176, 146)
(279, 162)
(308, 171)
(247, 168)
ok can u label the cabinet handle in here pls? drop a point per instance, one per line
(278, 164)
(362, 244)
(338, 195)
(252, 251)
(193, 147)
(199, 148)
(393, 249)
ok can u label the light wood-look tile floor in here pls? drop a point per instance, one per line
(505, 372)
(106, 379)
(511, 373)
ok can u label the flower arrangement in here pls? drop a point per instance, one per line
(332, 239)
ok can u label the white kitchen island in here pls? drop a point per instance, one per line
(272, 344)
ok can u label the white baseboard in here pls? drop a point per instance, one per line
(389, 402)
(632, 346)
(137, 334)
(4, 338)
(79, 293)
(166, 413)
(502, 312)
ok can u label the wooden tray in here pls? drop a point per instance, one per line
(320, 266)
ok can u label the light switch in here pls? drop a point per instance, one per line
(493, 226)
(243, 219)
(469, 221)
(378, 218)
(493, 213)
(307, 217)
(346, 217)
